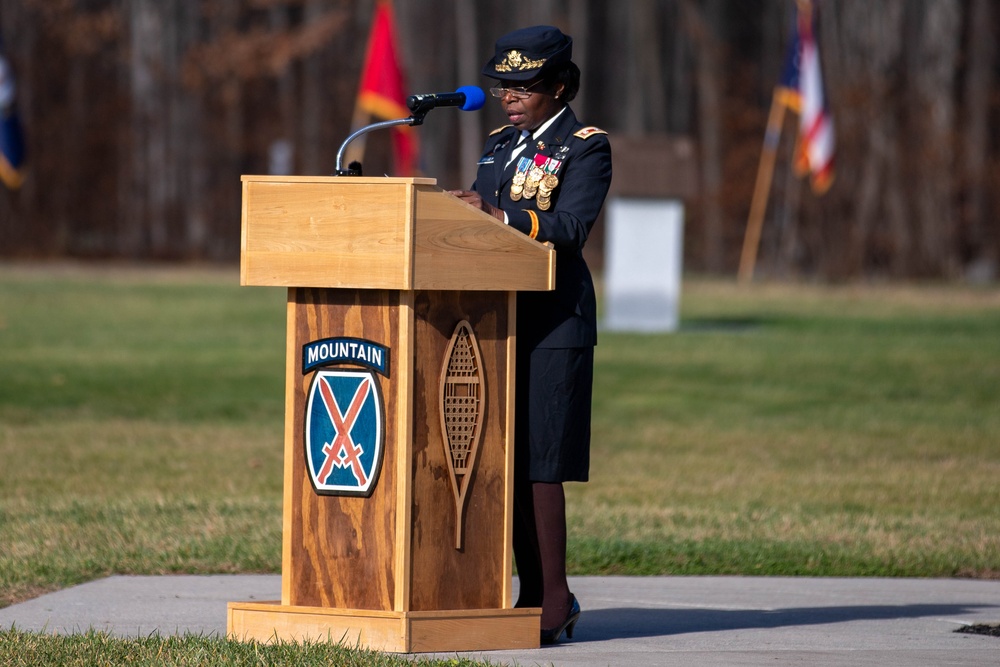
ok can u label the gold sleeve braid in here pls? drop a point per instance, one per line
(534, 223)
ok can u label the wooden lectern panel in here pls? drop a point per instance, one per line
(356, 234)
(340, 550)
(380, 233)
(471, 577)
(451, 253)
(398, 478)
(395, 550)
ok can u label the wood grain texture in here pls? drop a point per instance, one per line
(389, 233)
(289, 511)
(342, 234)
(459, 247)
(342, 549)
(395, 550)
(268, 622)
(400, 263)
(403, 381)
(509, 396)
(472, 577)
(397, 632)
(463, 398)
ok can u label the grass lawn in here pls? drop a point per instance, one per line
(799, 430)
(809, 430)
(140, 426)
(30, 649)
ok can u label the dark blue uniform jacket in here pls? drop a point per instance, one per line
(567, 316)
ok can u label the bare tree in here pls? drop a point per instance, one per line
(142, 114)
(934, 70)
(975, 142)
(710, 99)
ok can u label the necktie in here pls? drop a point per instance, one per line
(521, 145)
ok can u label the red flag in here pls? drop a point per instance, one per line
(382, 92)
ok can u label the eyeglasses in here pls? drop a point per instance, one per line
(518, 93)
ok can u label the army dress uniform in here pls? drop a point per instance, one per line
(551, 188)
(553, 192)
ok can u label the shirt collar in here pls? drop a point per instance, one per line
(544, 126)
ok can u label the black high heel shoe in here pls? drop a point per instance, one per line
(551, 636)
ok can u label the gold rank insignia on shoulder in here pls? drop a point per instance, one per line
(588, 132)
(500, 129)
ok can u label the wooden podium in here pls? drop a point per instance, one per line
(398, 473)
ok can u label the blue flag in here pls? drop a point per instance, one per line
(11, 137)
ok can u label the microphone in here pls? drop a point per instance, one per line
(466, 98)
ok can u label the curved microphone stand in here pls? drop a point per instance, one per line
(415, 119)
(466, 98)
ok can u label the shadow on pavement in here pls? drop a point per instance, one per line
(603, 624)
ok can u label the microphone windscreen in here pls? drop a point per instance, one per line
(475, 98)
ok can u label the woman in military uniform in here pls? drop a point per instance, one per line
(547, 175)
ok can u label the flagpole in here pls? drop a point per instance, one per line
(762, 188)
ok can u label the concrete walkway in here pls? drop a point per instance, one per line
(661, 621)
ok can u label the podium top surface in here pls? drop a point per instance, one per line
(380, 233)
(254, 178)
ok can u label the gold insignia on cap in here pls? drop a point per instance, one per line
(514, 61)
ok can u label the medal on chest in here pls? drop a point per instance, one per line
(536, 177)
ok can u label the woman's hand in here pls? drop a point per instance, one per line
(473, 199)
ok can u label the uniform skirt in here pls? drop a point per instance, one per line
(552, 417)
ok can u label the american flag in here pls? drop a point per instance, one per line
(801, 90)
(11, 137)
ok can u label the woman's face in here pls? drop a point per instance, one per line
(530, 112)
